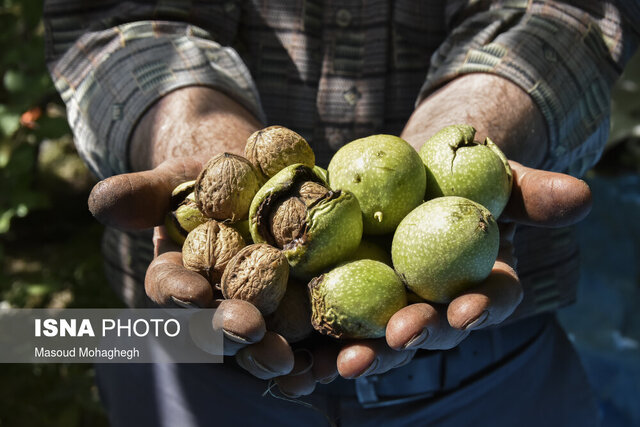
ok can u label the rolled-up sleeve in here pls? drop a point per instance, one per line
(566, 57)
(109, 78)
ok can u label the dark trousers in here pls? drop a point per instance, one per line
(541, 384)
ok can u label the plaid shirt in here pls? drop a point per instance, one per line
(336, 71)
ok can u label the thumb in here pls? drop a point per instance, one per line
(140, 199)
(547, 199)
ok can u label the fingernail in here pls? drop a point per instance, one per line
(476, 323)
(303, 361)
(328, 379)
(250, 364)
(181, 303)
(417, 340)
(369, 370)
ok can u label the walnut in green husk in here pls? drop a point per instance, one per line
(225, 187)
(184, 215)
(257, 274)
(273, 148)
(209, 247)
(315, 227)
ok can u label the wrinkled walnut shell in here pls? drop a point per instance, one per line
(310, 192)
(292, 319)
(209, 247)
(257, 274)
(273, 148)
(286, 220)
(225, 187)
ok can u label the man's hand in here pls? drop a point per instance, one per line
(538, 198)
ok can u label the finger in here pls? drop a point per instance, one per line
(489, 303)
(241, 323)
(543, 198)
(422, 325)
(269, 358)
(325, 356)
(300, 382)
(370, 357)
(141, 199)
(162, 242)
(168, 283)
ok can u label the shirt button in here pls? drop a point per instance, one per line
(343, 17)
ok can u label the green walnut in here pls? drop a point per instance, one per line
(273, 148)
(386, 175)
(356, 299)
(445, 246)
(314, 226)
(225, 187)
(459, 166)
(184, 214)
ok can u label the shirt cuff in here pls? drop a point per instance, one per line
(563, 64)
(108, 79)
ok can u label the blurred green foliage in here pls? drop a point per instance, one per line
(49, 243)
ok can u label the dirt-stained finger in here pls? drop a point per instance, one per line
(167, 280)
(489, 303)
(141, 199)
(271, 357)
(547, 199)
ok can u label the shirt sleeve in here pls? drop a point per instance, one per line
(566, 55)
(108, 76)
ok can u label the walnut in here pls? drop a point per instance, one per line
(209, 247)
(257, 274)
(286, 220)
(292, 319)
(225, 187)
(310, 192)
(276, 147)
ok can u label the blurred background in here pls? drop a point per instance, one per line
(49, 243)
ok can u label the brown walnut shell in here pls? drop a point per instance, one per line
(257, 274)
(225, 187)
(286, 220)
(273, 148)
(292, 319)
(209, 247)
(310, 192)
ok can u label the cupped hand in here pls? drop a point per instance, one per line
(141, 200)
(538, 198)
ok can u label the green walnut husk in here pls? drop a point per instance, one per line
(356, 299)
(369, 249)
(444, 247)
(457, 165)
(184, 215)
(315, 229)
(225, 187)
(275, 147)
(385, 174)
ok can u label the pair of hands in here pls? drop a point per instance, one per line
(140, 200)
